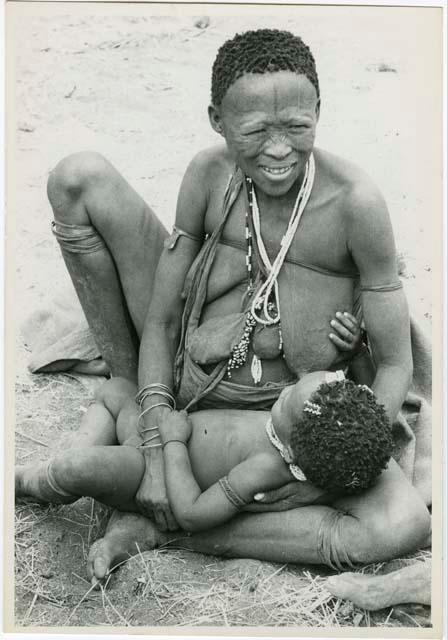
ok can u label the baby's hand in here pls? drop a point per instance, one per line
(348, 337)
(176, 426)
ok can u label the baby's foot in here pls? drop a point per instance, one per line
(409, 584)
(126, 534)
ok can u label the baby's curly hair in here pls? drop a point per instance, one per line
(260, 51)
(343, 439)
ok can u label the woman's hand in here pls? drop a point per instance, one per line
(347, 335)
(176, 426)
(290, 496)
(151, 497)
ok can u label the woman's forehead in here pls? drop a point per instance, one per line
(270, 92)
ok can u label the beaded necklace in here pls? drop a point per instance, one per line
(263, 309)
(276, 442)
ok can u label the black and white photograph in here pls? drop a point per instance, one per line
(223, 268)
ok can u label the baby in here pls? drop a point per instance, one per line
(324, 430)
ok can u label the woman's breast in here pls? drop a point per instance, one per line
(228, 273)
(308, 302)
(309, 299)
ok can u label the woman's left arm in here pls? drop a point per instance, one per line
(385, 309)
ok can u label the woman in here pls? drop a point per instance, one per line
(273, 236)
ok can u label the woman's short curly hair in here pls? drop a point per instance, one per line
(260, 51)
(343, 440)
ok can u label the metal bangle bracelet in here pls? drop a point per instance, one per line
(173, 440)
(153, 385)
(158, 404)
(148, 394)
(149, 446)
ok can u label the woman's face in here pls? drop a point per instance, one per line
(269, 121)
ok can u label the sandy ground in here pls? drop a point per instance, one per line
(135, 88)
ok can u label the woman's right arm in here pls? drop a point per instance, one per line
(161, 334)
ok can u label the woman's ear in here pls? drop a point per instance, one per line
(317, 109)
(215, 119)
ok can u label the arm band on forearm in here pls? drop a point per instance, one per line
(394, 286)
(231, 494)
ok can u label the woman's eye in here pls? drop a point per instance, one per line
(256, 132)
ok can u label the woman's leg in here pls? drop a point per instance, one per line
(114, 275)
(388, 520)
(110, 475)
(374, 592)
(384, 522)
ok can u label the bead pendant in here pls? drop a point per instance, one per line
(256, 369)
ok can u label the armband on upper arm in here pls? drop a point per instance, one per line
(231, 494)
(175, 235)
(393, 286)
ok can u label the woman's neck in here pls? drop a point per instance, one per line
(278, 207)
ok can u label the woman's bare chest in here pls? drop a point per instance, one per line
(319, 243)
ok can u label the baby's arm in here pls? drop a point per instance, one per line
(195, 510)
(347, 338)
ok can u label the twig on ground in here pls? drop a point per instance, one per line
(25, 435)
(86, 594)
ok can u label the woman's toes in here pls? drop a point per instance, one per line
(99, 560)
(342, 586)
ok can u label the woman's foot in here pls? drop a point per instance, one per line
(409, 584)
(126, 535)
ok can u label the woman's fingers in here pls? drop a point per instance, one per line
(277, 494)
(160, 519)
(350, 318)
(342, 331)
(171, 522)
(348, 321)
(340, 343)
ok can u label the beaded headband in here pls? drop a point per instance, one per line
(331, 376)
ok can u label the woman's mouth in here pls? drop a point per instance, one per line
(278, 172)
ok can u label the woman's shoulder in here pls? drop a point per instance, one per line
(355, 189)
(213, 163)
(343, 174)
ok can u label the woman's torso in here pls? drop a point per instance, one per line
(316, 281)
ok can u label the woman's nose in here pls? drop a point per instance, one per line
(278, 147)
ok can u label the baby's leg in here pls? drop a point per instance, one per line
(110, 475)
(99, 423)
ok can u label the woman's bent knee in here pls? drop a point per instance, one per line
(403, 531)
(72, 176)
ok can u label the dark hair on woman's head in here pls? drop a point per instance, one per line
(261, 51)
(343, 440)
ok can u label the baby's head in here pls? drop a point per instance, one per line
(338, 434)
